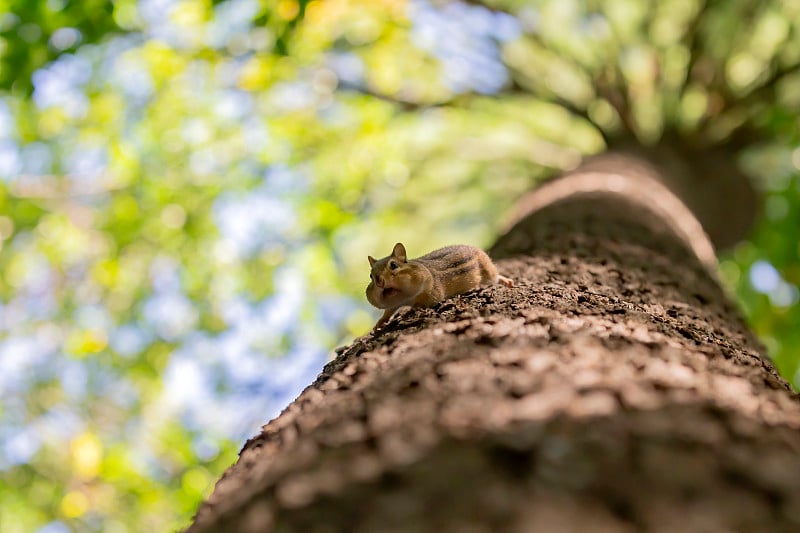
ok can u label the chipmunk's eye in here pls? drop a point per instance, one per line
(393, 265)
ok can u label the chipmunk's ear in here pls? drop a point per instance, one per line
(399, 252)
(372, 260)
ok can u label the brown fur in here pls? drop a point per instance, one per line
(396, 281)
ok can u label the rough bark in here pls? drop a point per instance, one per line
(615, 388)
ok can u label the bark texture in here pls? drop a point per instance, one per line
(615, 388)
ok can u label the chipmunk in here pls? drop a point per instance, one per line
(396, 281)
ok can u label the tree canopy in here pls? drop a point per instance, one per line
(189, 190)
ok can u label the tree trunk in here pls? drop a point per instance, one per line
(614, 388)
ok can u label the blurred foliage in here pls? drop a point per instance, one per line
(188, 191)
(35, 33)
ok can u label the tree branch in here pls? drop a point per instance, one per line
(514, 90)
(744, 104)
(517, 89)
(616, 95)
(695, 43)
(612, 87)
(404, 104)
(716, 85)
(768, 87)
